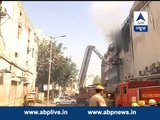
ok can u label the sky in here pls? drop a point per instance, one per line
(83, 23)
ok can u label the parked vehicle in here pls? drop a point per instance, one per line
(29, 99)
(63, 100)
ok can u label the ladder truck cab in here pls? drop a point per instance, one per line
(133, 91)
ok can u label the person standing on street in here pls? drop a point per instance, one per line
(97, 99)
(109, 100)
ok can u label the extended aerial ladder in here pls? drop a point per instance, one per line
(85, 63)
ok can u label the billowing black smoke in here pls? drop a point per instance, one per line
(120, 38)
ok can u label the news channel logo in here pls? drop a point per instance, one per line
(140, 21)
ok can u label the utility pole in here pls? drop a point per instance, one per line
(50, 66)
(49, 75)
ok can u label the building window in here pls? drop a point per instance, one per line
(33, 52)
(26, 62)
(20, 13)
(118, 91)
(124, 90)
(10, 67)
(16, 54)
(19, 30)
(27, 50)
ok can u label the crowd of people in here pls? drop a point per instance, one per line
(141, 103)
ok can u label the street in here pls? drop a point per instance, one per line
(51, 105)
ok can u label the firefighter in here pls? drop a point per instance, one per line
(97, 99)
(134, 104)
(141, 103)
(152, 102)
(109, 100)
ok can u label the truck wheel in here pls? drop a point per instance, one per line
(31, 104)
(73, 103)
(119, 105)
(57, 103)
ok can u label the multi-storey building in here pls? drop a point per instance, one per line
(18, 53)
(110, 74)
(139, 53)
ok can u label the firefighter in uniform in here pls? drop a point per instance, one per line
(109, 100)
(97, 99)
(152, 102)
(134, 104)
(141, 103)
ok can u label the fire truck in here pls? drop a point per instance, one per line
(127, 92)
(86, 92)
(133, 91)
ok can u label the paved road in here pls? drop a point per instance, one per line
(44, 104)
(72, 105)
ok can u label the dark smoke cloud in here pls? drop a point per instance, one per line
(120, 38)
(116, 39)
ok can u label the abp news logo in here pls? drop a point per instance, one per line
(140, 21)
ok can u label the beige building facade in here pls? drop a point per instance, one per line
(147, 45)
(18, 54)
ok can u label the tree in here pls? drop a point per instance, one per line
(65, 71)
(63, 68)
(96, 79)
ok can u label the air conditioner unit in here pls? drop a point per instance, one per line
(154, 65)
(157, 64)
(158, 70)
(146, 68)
(3, 11)
(151, 68)
(140, 73)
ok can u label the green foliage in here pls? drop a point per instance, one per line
(97, 79)
(63, 70)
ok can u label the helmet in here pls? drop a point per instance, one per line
(99, 87)
(152, 102)
(135, 104)
(141, 103)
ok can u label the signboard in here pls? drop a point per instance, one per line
(140, 21)
(45, 87)
(148, 93)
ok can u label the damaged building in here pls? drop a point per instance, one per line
(138, 52)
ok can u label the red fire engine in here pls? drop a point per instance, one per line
(133, 91)
(86, 93)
